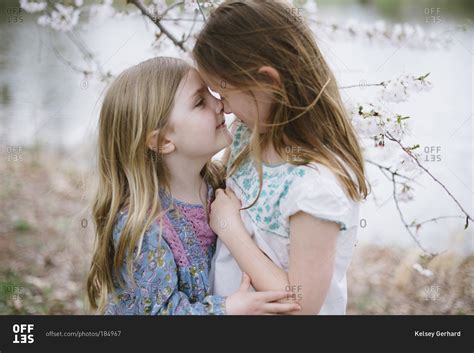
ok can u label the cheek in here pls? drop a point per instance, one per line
(263, 107)
(244, 109)
(202, 130)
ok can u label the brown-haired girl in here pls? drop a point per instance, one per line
(295, 163)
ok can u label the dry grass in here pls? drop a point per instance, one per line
(45, 250)
(383, 281)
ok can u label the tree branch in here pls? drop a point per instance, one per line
(391, 138)
(407, 227)
(156, 21)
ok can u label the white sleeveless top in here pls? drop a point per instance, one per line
(287, 189)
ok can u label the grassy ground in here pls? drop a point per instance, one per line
(46, 240)
(45, 236)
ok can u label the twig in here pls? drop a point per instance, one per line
(390, 137)
(77, 41)
(390, 171)
(407, 227)
(433, 220)
(69, 63)
(364, 85)
(156, 21)
(191, 30)
(200, 9)
(172, 6)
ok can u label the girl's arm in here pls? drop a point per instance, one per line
(312, 254)
(154, 289)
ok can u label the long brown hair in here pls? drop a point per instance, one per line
(238, 39)
(138, 102)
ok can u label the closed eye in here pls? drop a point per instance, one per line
(199, 103)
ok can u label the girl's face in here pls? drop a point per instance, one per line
(242, 104)
(197, 121)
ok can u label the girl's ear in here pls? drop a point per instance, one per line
(166, 146)
(270, 74)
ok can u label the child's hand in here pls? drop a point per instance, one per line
(225, 212)
(244, 302)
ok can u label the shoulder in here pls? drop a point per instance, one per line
(313, 177)
(240, 138)
(241, 135)
(315, 189)
(316, 175)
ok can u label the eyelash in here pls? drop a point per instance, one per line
(198, 104)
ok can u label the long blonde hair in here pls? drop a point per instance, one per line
(238, 39)
(138, 102)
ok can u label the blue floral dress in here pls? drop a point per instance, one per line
(171, 273)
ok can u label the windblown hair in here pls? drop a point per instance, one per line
(139, 101)
(308, 114)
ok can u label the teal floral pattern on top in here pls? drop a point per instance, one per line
(277, 181)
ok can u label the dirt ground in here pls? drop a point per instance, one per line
(46, 240)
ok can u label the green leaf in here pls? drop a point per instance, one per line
(423, 77)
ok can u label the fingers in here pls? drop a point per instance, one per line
(221, 193)
(229, 191)
(231, 195)
(272, 296)
(245, 283)
(281, 308)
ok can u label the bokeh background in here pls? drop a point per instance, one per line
(48, 118)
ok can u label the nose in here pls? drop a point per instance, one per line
(219, 106)
(226, 107)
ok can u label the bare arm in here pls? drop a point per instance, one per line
(312, 255)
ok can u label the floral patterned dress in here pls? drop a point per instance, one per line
(171, 273)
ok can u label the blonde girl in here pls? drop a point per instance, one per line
(159, 127)
(295, 164)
